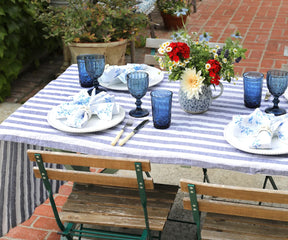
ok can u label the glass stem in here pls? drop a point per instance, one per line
(276, 101)
(138, 104)
(95, 83)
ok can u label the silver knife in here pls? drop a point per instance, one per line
(136, 129)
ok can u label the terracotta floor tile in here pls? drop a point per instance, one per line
(25, 233)
(65, 189)
(30, 221)
(46, 223)
(44, 210)
(53, 236)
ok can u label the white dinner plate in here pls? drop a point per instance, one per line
(155, 77)
(242, 143)
(94, 124)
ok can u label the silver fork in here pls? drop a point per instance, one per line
(128, 123)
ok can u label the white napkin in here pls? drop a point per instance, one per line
(116, 74)
(79, 110)
(261, 127)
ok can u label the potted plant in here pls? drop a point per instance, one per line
(174, 12)
(106, 25)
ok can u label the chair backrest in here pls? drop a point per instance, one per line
(217, 191)
(137, 180)
(152, 45)
(91, 161)
(239, 203)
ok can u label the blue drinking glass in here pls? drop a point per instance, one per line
(277, 84)
(138, 83)
(253, 82)
(84, 79)
(161, 101)
(95, 65)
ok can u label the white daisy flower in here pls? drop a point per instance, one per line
(168, 49)
(192, 83)
(161, 50)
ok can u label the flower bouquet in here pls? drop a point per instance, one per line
(198, 64)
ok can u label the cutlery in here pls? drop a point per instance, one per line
(136, 129)
(127, 124)
(267, 96)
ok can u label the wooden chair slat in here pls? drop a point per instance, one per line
(244, 227)
(150, 60)
(247, 220)
(115, 210)
(158, 194)
(255, 211)
(155, 42)
(215, 235)
(89, 160)
(241, 193)
(114, 221)
(119, 200)
(94, 178)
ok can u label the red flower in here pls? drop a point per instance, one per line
(215, 66)
(179, 51)
(214, 69)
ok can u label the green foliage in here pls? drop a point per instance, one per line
(92, 20)
(174, 7)
(20, 38)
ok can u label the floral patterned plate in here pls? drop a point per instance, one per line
(93, 125)
(243, 143)
(155, 77)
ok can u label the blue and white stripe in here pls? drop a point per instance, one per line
(195, 140)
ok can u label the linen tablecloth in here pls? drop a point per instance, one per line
(195, 140)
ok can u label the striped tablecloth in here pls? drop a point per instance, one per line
(195, 140)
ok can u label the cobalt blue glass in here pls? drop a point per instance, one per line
(277, 84)
(253, 82)
(95, 65)
(84, 79)
(161, 101)
(138, 83)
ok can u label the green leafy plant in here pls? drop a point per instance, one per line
(189, 58)
(92, 20)
(20, 38)
(175, 7)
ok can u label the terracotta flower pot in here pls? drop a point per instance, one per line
(172, 22)
(114, 52)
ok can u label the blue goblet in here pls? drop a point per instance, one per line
(95, 65)
(137, 83)
(85, 80)
(277, 84)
